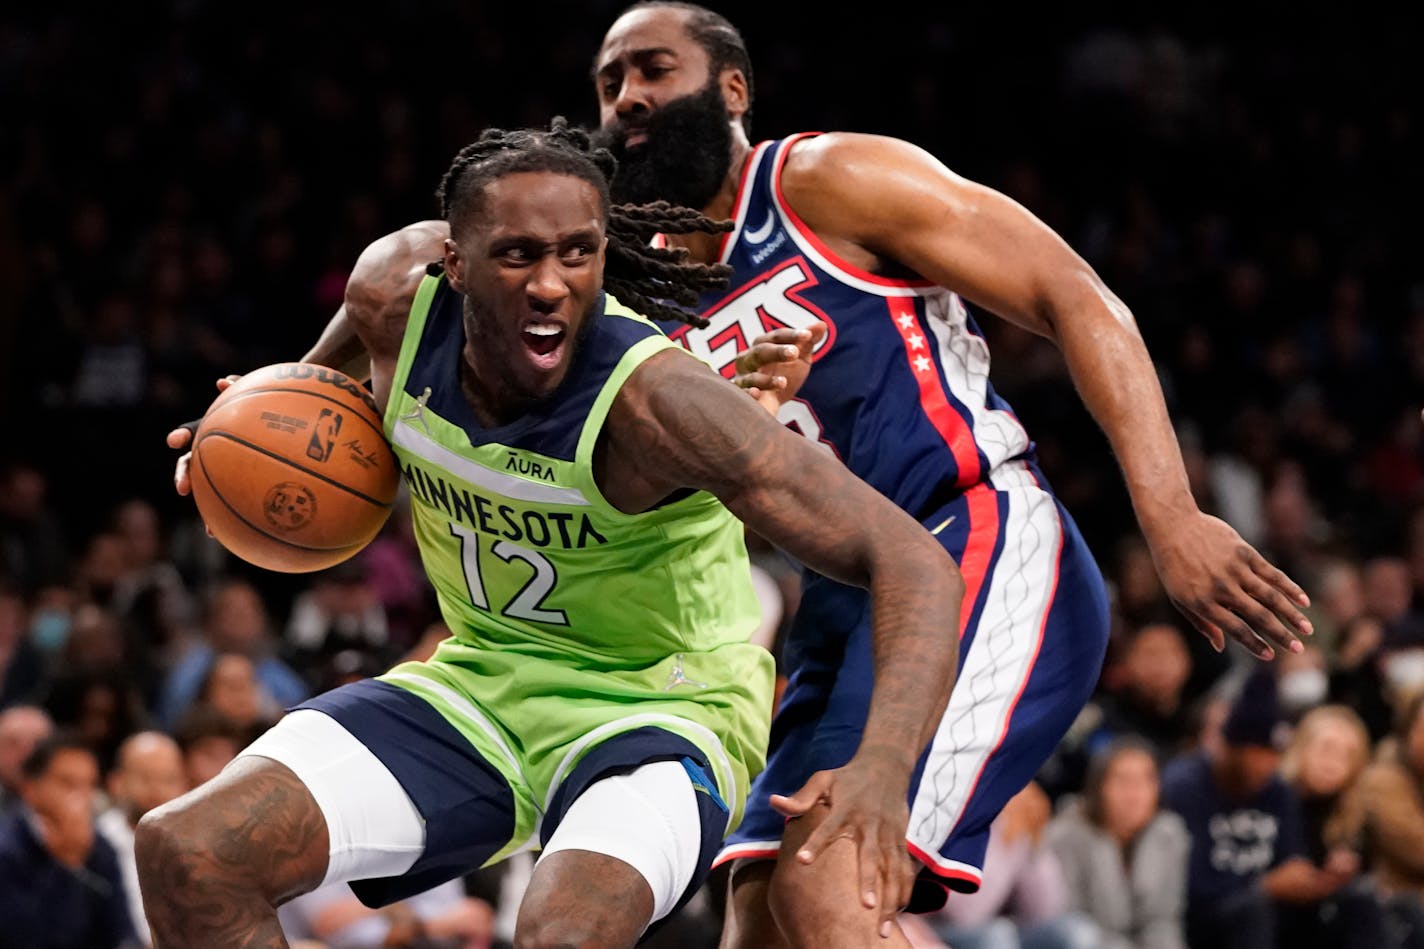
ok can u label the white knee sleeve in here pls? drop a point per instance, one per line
(374, 828)
(648, 819)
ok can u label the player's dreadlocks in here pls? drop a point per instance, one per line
(641, 276)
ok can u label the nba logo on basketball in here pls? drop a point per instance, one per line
(323, 437)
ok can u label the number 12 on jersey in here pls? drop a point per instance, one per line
(528, 603)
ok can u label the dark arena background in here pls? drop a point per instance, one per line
(185, 186)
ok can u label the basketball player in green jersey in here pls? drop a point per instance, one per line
(574, 477)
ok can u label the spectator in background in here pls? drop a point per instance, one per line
(231, 689)
(235, 620)
(1389, 593)
(1341, 600)
(392, 565)
(1392, 805)
(340, 611)
(34, 551)
(95, 643)
(101, 706)
(52, 609)
(1145, 694)
(1357, 678)
(150, 597)
(59, 882)
(1323, 764)
(1023, 902)
(147, 772)
(1248, 838)
(440, 918)
(1141, 694)
(22, 727)
(100, 568)
(1124, 858)
(208, 740)
(1302, 680)
(21, 664)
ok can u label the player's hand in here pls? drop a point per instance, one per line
(181, 437)
(863, 805)
(774, 367)
(1226, 588)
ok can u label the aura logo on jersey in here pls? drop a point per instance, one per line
(772, 301)
(529, 467)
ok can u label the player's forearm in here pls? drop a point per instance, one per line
(915, 629)
(1117, 381)
(341, 348)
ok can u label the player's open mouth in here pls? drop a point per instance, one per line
(545, 342)
(635, 137)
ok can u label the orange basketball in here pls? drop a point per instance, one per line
(291, 470)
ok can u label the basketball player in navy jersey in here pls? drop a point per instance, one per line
(858, 250)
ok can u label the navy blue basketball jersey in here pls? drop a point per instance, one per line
(900, 385)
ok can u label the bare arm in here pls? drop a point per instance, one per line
(923, 219)
(339, 347)
(379, 294)
(676, 424)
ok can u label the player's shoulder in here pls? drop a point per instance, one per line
(838, 159)
(413, 245)
(391, 267)
(855, 185)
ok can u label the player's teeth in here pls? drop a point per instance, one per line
(543, 329)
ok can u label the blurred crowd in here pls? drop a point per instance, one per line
(187, 204)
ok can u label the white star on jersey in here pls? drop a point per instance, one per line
(922, 364)
(906, 320)
(916, 341)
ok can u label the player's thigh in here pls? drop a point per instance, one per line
(811, 902)
(408, 802)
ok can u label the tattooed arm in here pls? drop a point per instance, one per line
(340, 345)
(676, 424)
(379, 293)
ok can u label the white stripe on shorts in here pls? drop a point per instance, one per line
(995, 669)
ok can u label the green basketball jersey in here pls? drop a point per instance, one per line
(572, 622)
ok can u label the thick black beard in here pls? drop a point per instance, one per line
(685, 157)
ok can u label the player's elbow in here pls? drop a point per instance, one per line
(928, 565)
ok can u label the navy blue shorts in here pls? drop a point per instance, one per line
(468, 806)
(1033, 635)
